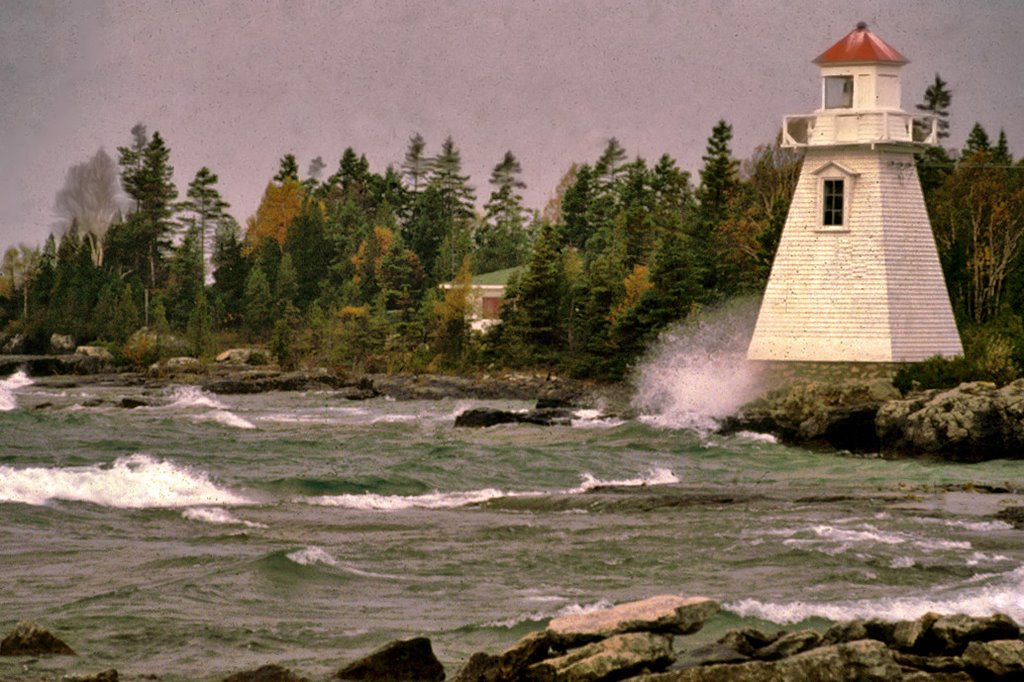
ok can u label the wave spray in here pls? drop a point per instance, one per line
(698, 373)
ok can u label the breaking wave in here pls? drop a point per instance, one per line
(451, 500)
(218, 516)
(1003, 596)
(698, 373)
(135, 482)
(8, 401)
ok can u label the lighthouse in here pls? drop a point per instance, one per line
(856, 277)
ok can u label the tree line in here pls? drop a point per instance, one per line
(343, 270)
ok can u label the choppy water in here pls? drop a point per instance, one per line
(203, 534)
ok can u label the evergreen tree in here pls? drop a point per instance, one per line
(937, 99)
(130, 159)
(257, 303)
(540, 294)
(718, 182)
(310, 252)
(185, 281)
(230, 271)
(611, 163)
(197, 330)
(977, 140)
(125, 320)
(446, 174)
(417, 166)
(501, 239)
(288, 169)
(205, 209)
(286, 288)
(1001, 152)
(576, 228)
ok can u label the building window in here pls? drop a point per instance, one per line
(838, 92)
(833, 202)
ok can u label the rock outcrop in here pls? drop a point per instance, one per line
(266, 673)
(840, 414)
(482, 417)
(972, 422)
(29, 638)
(407, 660)
(664, 614)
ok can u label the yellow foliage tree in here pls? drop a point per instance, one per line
(635, 284)
(280, 204)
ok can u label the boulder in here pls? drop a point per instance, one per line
(407, 660)
(613, 658)
(667, 614)
(105, 676)
(98, 352)
(181, 364)
(973, 422)
(482, 417)
(132, 403)
(61, 343)
(266, 673)
(13, 345)
(1013, 516)
(841, 414)
(235, 356)
(865, 660)
(995, 660)
(32, 639)
(748, 640)
(789, 644)
(952, 634)
(908, 633)
(511, 665)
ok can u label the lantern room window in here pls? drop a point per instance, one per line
(838, 92)
(832, 194)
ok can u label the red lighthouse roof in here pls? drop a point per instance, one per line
(860, 45)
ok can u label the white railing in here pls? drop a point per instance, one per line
(864, 127)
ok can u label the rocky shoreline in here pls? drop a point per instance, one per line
(973, 422)
(645, 641)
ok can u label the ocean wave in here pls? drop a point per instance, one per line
(452, 500)
(218, 516)
(834, 540)
(435, 500)
(594, 419)
(193, 396)
(1005, 595)
(135, 482)
(540, 616)
(756, 437)
(8, 401)
(228, 419)
(313, 555)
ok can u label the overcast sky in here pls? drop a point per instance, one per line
(234, 86)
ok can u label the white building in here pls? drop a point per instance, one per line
(856, 277)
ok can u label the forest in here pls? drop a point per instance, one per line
(342, 270)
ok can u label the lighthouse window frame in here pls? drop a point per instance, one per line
(833, 195)
(838, 92)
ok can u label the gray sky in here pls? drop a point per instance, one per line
(234, 86)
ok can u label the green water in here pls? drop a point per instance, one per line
(203, 535)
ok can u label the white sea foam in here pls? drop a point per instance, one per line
(193, 396)
(538, 616)
(135, 482)
(756, 437)
(451, 500)
(229, 419)
(656, 476)
(8, 386)
(902, 562)
(698, 373)
(594, 419)
(308, 556)
(218, 516)
(311, 555)
(1004, 595)
(434, 500)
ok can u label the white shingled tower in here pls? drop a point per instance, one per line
(857, 277)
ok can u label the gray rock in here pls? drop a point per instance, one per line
(181, 364)
(98, 352)
(13, 345)
(931, 664)
(511, 665)
(861, 661)
(711, 654)
(29, 638)
(407, 660)
(848, 631)
(266, 673)
(908, 633)
(105, 676)
(663, 614)
(952, 634)
(613, 658)
(995, 660)
(748, 640)
(972, 422)
(789, 644)
(1012, 515)
(61, 343)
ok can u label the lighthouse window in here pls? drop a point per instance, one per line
(838, 92)
(833, 203)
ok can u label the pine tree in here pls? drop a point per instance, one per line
(197, 330)
(205, 209)
(576, 228)
(125, 320)
(719, 180)
(288, 169)
(310, 251)
(286, 288)
(257, 303)
(977, 140)
(611, 164)
(417, 166)
(130, 159)
(447, 175)
(501, 239)
(937, 100)
(1001, 152)
(230, 271)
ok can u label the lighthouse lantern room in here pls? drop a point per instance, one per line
(856, 277)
